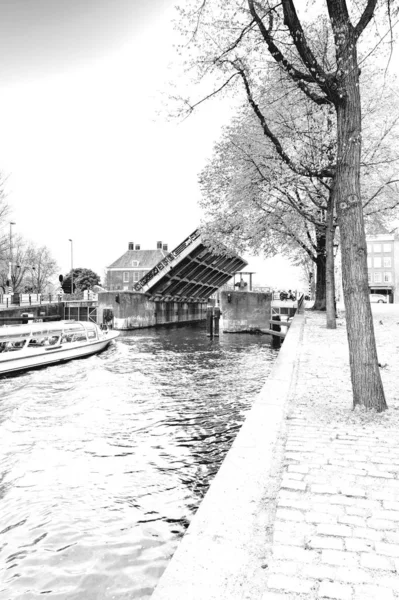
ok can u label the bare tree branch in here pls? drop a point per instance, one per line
(275, 51)
(304, 51)
(377, 193)
(365, 18)
(193, 106)
(270, 135)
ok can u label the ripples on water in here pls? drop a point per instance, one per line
(105, 460)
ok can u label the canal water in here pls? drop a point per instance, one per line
(104, 461)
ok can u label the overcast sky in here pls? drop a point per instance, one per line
(86, 156)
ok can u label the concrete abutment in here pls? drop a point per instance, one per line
(133, 310)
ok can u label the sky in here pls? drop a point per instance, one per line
(86, 155)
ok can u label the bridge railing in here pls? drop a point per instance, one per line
(228, 287)
(165, 261)
(11, 300)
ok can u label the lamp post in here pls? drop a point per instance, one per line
(71, 265)
(10, 270)
(33, 273)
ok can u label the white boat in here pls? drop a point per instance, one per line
(24, 347)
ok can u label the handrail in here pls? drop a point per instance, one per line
(9, 300)
(301, 302)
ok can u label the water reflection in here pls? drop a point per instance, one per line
(105, 460)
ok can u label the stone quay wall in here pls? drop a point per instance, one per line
(245, 311)
(132, 310)
(38, 311)
(223, 554)
(306, 502)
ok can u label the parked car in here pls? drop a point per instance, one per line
(378, 298)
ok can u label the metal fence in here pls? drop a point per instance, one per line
(231, 288)
(9, 300)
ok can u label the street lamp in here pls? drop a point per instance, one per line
(10, 270)
(33, 273)
(71, 265)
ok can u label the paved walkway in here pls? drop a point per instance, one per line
(336, 528)
(306, 502)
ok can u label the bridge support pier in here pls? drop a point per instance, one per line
(134, 310)
(276, 339)
(212, 320)
(209, 320)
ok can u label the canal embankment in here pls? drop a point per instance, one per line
(306, 502)
(224, 551)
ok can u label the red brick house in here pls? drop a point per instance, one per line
(133, 265)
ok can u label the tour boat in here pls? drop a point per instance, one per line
(24, 347)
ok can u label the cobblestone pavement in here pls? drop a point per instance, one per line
(336, 532)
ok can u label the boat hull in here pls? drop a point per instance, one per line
(52, 355)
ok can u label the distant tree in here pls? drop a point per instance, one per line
(42, 267)
(83, 279)
(32, 267)
(4, 223)
(14, 269)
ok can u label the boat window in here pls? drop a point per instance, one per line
(80, 336)
(11, 346)
(92, 334)
(12, 338)
(43, 340)
(69, 333)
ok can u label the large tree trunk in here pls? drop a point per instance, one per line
(330, 276)
(320, 297)
(365, 373)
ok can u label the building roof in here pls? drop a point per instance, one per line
(146, 259)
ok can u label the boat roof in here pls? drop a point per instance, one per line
(43, 328)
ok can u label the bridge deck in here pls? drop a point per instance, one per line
(192, 271)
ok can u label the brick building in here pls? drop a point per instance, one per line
(383, 265)
(133, 265)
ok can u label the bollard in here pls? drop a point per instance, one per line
(216, 316)
(276, 340)
(209, 321)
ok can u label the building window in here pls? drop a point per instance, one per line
(377, 277)
(387, 262)
(126, 277)
(388, 277)
(369, 276)
(387, 248)
(377, 247)
(136, 276)
(135, 263)
(377, 262)
(369, 265)
(369, 248)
